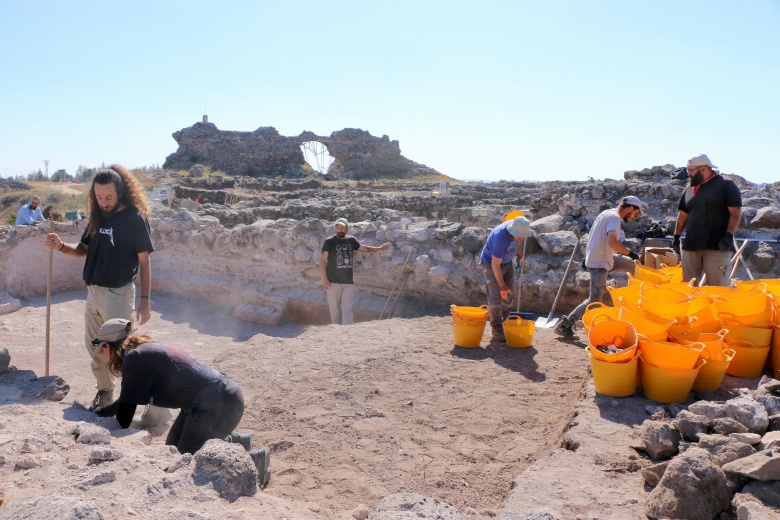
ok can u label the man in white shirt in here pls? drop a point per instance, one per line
(601, 258)
(30, 214)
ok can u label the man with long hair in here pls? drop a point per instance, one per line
(117, 247)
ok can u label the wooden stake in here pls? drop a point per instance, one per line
(48, 302)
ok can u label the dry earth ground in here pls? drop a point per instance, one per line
(353, 413)
(357, 413)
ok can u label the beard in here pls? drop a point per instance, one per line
(696, 179)
(341, 234)
(110, 212)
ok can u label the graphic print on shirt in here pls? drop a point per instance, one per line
(344, 256)
(109, 232)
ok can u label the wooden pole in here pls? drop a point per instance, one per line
(48, 302)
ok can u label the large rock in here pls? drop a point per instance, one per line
(748, 412)
(724, 449)
(763, 465)
(228, 467)
(5, 359)
(766, 218)
(692, 488)
(558, 242)
(660, 439)
(52, 507)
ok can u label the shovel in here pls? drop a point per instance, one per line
(550, 322)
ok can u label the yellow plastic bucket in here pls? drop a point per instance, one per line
(596, 308)
(761, 337)
(519, 333)
(684, 287)
(663, 302)
(645, 322)
(607, 331)
(635, 282)
(712, 291)
(665, 385)
(741, 303)
(649, 274)
(748, 359)
(614, 379)
(711, 374)
(628, 294)
(468, 325)
(713, 341)
(706, 320)
(621, 356)
(676, 356)
(511, 215)
(699, 302)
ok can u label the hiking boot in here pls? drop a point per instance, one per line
(102, 399)
(262, 458)
(498, 335)
(244, 439)
(565, 328)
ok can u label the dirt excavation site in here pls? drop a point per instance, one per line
(386, 418)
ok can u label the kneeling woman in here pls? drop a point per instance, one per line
(163, 375)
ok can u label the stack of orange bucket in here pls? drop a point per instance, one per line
(612, 349)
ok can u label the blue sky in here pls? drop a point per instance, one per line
(534, 90)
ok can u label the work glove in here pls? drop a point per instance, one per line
(632, 255)
(106, 411)
(676, 246)
(726, 242)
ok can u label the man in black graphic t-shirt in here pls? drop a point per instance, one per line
(117, 247)
(336, 264)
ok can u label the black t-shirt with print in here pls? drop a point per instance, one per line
(340, 258)
(708, 212)
(112, 254)
(163, 375)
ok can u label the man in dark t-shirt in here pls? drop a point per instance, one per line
(117, 247)
(336, 266)
(709, 211)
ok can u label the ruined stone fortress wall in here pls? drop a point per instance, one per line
(260, 257)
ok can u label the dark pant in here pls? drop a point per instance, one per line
(214, 414)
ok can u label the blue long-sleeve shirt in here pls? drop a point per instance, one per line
(27, 217)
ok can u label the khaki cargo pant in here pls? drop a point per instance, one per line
(103, 304)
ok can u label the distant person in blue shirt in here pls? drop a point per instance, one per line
(502, 245)
(30, 214)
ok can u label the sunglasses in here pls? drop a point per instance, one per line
(96, 342)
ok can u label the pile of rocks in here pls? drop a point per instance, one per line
(715, 457)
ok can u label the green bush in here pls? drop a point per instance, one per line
(12, 218)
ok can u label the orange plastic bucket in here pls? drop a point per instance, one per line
(596, 308)
(748, 359)
(761, 337)
(614, 379)
(775, 351)
(665, 385)
(607, 331)
(635, 282)
(712, 291)
(663, 302)
(645, 322)
(675, 272)
(761, 320)
(628, 294)
(519, 333)
(468, 325)
(711, 374)
(676, 356)
(770, 285)
(741, 303)
(713, 341)
(706, 320)
(684, 287)
(649, 274)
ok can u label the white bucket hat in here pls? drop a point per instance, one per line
(520, 227)
(701, 160)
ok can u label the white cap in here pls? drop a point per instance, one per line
(701, 160)
(520, 227)
(342, 222)
(634, 201)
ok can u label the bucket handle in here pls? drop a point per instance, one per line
(597, 316)
(594, 305)
(701, 350)
(512, 317)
